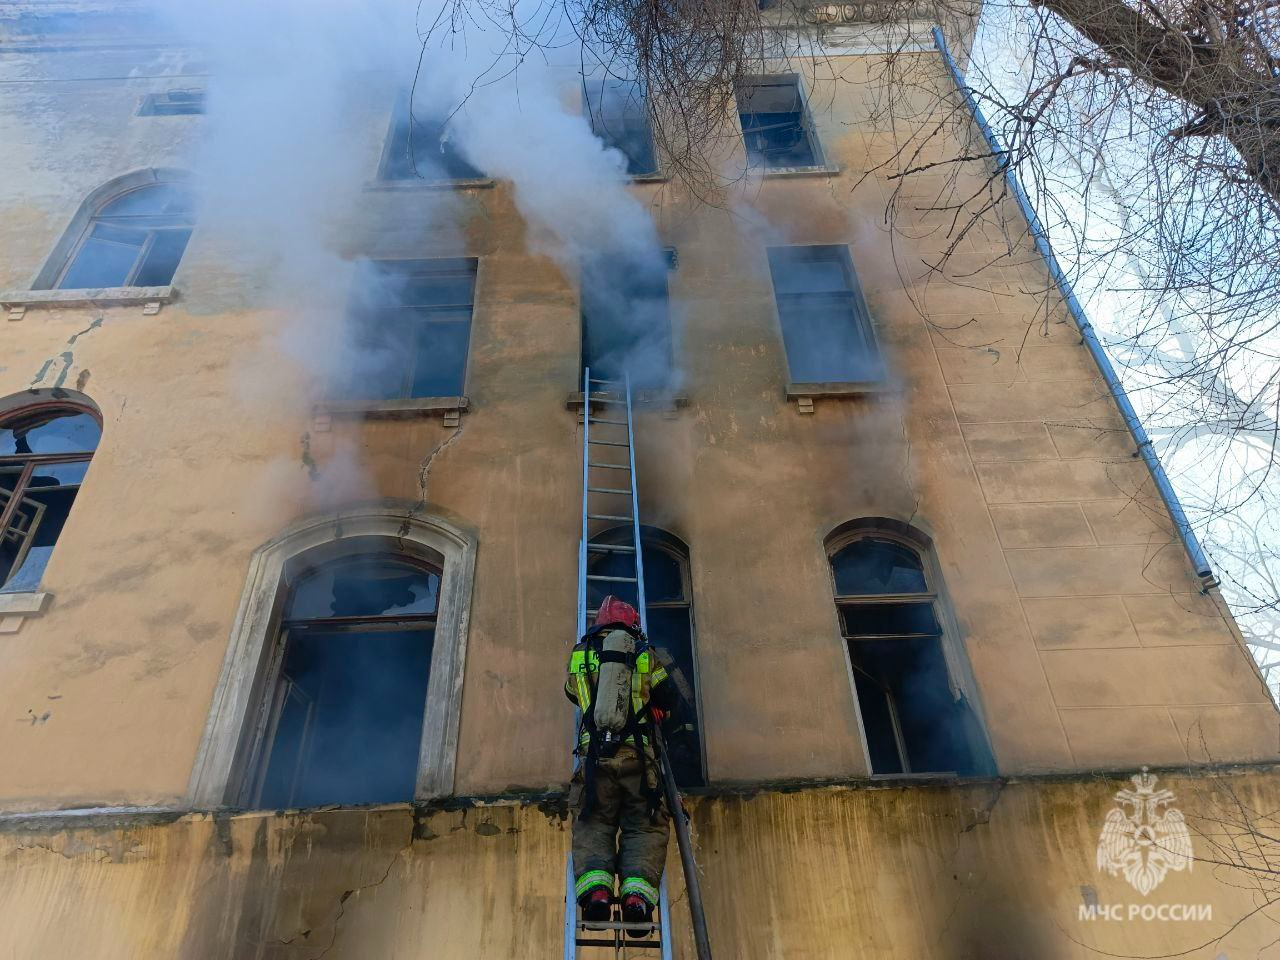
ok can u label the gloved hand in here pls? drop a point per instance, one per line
(659, 716)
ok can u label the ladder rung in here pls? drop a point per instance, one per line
(611, 466)
(610, 443)
(610, 548)
(594, 380)
(595, 398)
(606, 516)
(632, 944)
(600, 576)
(595, 926)
(616, 423)
(614, 490)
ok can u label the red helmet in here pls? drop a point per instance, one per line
(613, 610)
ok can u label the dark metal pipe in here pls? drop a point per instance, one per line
(690, 866)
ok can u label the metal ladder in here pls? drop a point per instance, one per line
(609, 498)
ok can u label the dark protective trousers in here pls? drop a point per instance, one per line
(619, 836)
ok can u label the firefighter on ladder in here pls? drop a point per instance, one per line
(620, 825)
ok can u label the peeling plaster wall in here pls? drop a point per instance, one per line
(1089, 643)
(981, 872)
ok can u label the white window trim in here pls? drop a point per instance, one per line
(226, 746)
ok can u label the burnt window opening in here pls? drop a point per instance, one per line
(669, 612)
(134, 240)
(619, 115)
(342, 722)
(421, 146)
(775, 124)
(915, 716)
(412, 322)
(626, 318)
(44, 455)
(826, 326)
(173, 103)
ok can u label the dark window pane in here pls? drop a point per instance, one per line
(907, 680)
(825, 325)
(100, 263)
(351, 722)
(414, 318)
(663, 579)
(440, 358)
(421, 147)
(873, 566)
(58, 474)
(364, 587)
(173, 103)
(27, 542)
(879, 619)
(57, 431)
(671, 630)
(161, 261)
(626, 322)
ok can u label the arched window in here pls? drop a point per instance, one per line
(915, 714)
(44, 452)
(343, 721)
(133, 238)
(669, 611)
(342, 681)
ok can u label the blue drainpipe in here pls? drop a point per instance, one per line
(1199, 562)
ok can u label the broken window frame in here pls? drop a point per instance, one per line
(655, 538)
(27, 464)
(419, 135)
(616, 127)
(758, 159)
(851, 299)
(959, 679)
(154, 225)
(419, 319)
(277, 686)
(666, 335)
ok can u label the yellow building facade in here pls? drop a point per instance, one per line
(846, 802)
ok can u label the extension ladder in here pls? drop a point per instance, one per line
(609, 499)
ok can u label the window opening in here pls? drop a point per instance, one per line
(826, 327)
(134, 240)
(420, 145)
(626, 318)
(343, 723)
(44, 455)
(172, 103)
(669, 611)
(915, 717)
(413, 323)
(620, 117)
(775, 124)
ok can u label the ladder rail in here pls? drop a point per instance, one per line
(571, 924)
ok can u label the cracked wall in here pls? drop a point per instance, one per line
(979, 872)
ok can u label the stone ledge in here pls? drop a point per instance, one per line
(423, 183)
(17, 301)
(16, 607)
(447, 407)
(818, 170)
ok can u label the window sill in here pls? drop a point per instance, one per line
(657, 177)
(17, 301)
(641, 399)
(410, 186)
(804, 394)
(16, 607)
(819, 170)
(450, 408)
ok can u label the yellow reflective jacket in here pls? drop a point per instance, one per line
(649, 682)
